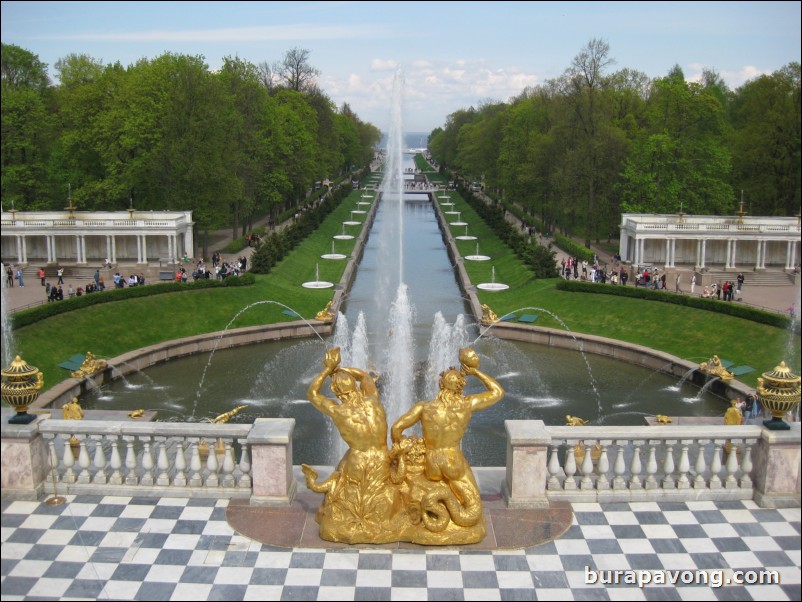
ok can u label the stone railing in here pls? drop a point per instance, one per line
(651, 463)
(544, 464)
(151, 459)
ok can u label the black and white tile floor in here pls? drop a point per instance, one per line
(123, 548)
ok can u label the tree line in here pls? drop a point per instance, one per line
(169, 134)
(581, 149)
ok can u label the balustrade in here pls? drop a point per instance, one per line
(650, 463)
(160, 458)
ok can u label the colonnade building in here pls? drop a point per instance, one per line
(85, 237)
(710, 242)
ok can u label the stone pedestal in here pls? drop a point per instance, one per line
(24, 459)
(527, 464)
(776, 472)
(270, 441)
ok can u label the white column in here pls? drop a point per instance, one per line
(758, 253)
(790, 260)
(673, 252)
(729, 254)
(24, 249)
(668, 253)
(145, 249)
(19, 249)
(77, 249)
(704, 249)
(138, 249)
(83, 248)
(113, 256)
(49, 251)
(765, 245)
(108, 247)
(733, 260)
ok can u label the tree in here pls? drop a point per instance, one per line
(295, 71)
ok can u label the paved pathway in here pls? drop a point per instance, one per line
(129, 548)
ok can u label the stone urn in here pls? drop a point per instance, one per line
(20, 388)
(778, 392)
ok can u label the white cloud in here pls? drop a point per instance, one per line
(383, 65)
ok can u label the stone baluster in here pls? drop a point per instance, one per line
(668, 466)
(131, 477)
(52, 457)
(195, 465)
(68, 459)
(554, 469)
(99, 461)
(570, 467)
(84, 462)
(603, 466)
(620, 466)
(116, 462)
(651, 467)
(228, 466)
(586, 482)
(245, 481)
(700, 466)
(715, 465)
(147, 462)
(684, 466)
(212, 465)
(635, 467)
(746, 466)
(180, 479)
(162, 462)
(730, 482)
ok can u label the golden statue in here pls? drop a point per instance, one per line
(574, 421)
(136, 413)
(223, 418)
(663, 419)
(489, 317)
(90, 366)
(325, 315)
(422, 490)
(450, 504)
(733, 416)
(714, 367)
(72, 411)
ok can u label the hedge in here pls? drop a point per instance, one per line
(721, 307)
(29, 316)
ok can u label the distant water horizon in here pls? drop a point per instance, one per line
(411, 140)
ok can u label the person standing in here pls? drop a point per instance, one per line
(693, 282)
(10, 277)
(42, 275)
(677, 283)
(60, 273)
(740, 281)
(20, 278)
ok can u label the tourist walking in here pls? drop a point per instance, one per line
(42, 275)
(10, 277)
(60, 273)
(20, 278)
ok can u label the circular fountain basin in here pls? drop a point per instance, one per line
(363, 203)
(366, 196)
(359, 211)
(446, 204)
(444, 196)
(492, 286)
(477, 257)
(343, 237)
(465, 237)
(333, 256)
(452, 212)
(317, 284)
(353, 223)
(458, 223)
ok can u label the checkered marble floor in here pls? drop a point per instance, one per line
(125, 548)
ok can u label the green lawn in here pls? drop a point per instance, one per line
(114, 328)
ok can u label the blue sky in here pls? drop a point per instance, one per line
(453, 54)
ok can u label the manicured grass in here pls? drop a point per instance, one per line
(110, 329)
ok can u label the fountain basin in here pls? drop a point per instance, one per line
(343, 237)
(333, 256)
(492, 286)
(458, 223)
(350, 223)
(317, 284)
(465, 237)
(477, 257)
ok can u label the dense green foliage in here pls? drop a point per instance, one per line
(170, 134)
(581, 149)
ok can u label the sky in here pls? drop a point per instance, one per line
(451, 55)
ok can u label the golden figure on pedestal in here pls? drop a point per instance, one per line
(714, 367)
(325, 315)
(90, 366)
(422, 490)
(489, 317)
